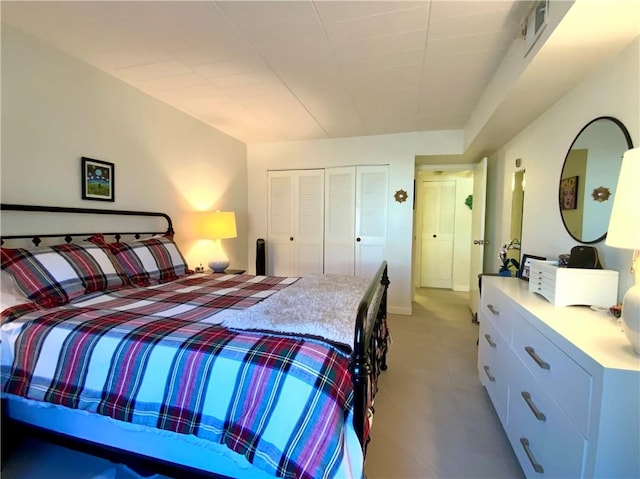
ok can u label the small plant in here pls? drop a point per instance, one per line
(507, 263)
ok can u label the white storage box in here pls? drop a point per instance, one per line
(563, 286)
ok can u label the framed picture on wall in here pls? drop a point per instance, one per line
(97, 180)
(525, 265)
(569, 193)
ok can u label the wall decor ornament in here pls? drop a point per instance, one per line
(401, 196)
(97, 180)
(601, 194)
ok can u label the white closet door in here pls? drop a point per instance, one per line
(339, 220)
(308, 235)
(280, 221)
(371, 218)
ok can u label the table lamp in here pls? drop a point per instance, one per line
(217, 226)
(624, 232)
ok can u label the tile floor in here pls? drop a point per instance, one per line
(433, 418)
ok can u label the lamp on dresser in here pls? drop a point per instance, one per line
(624, 232)
(217, 226)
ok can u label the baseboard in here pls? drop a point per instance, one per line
(399, 310)
(461, 287)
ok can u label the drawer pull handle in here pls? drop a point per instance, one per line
(493, 309)
(539, 361)
(491, 378)
(536, 465)
(534, 409)
(489, 340)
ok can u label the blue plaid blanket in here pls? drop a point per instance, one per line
(156, 357)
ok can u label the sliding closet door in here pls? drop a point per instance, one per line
(339, 220)
(280, 221)
(308, 222)
(371, 218)
(296, 209)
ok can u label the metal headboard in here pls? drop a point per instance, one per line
(68, 237)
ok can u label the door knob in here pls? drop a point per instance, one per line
(290, 238)
(358, 240)
(435, 236)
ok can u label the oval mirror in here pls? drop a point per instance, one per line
(589, 178)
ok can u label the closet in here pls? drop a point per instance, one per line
(331, 220)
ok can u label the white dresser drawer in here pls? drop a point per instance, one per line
(494, 306)
(546, 442)
(558, 374)
(494, 356)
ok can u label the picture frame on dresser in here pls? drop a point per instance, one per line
(525, 265)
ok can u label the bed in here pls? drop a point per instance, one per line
(111, 344)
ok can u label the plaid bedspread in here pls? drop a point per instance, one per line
(156, 357)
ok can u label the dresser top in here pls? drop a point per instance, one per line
(588, 334)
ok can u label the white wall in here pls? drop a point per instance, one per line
(56, 109)
(398, 151)
(610, 91)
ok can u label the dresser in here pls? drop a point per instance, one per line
(564, 382)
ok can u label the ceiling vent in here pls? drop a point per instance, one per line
(534, 23)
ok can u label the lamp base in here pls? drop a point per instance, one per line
(218, 266)
(219, 261)
(631, 317)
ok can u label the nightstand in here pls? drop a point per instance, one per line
(234, 271)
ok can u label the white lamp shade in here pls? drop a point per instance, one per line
(624, 232)
(219, 225)
(624, 225)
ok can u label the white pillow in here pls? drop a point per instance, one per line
(8, 286)
(7, 300)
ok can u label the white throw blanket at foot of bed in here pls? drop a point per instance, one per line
(323, 306)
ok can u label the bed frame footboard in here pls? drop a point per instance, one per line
(369, 355)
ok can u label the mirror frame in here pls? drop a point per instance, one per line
(627, 137)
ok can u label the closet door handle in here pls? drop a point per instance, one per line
(489, 340)
(492, 308)
(536, 465)
(358, 240)
(290, 238)
(539, 361)
(491, 378)
(534, 409)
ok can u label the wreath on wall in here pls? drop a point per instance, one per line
(401, 196)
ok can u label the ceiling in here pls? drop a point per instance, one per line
(264, 71)
(290, 70)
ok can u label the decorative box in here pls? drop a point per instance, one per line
(563, 286)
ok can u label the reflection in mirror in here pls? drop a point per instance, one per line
(589, 177)
(517, 203)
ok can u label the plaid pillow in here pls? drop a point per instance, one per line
(57, 274)
(149, 261)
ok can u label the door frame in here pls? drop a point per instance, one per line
(416, 248)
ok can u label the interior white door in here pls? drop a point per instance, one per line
(478, 213)
(438, 228)
(339, 220)
(371, 218)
